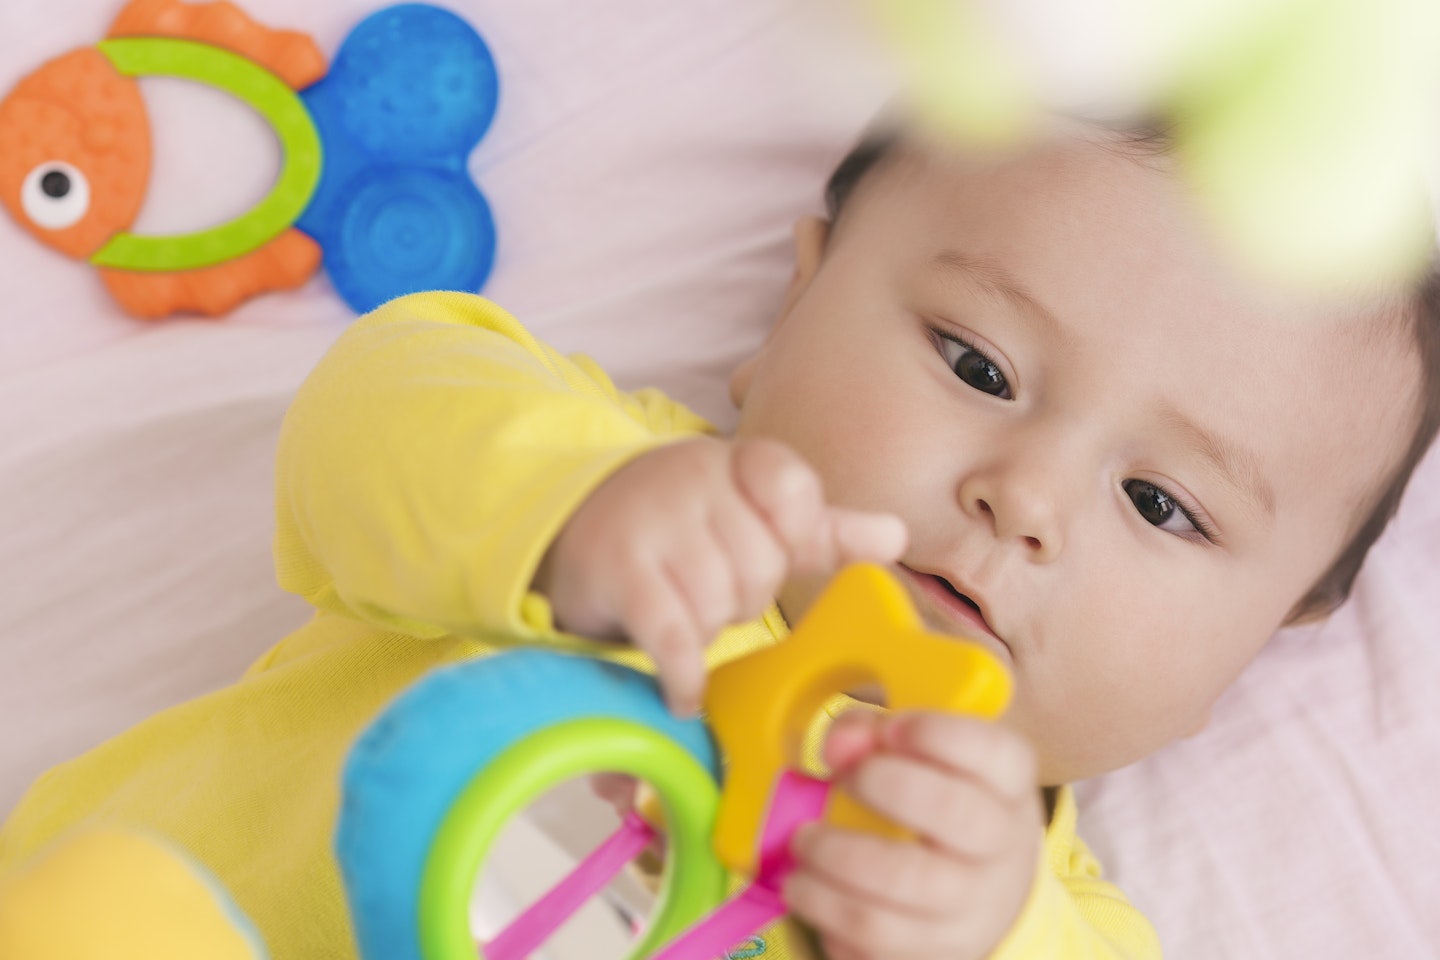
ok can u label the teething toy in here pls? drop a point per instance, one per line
(431, 783)
(373, 157)
(862, 630)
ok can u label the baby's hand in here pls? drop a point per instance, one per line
(691, 537)
(967, 788)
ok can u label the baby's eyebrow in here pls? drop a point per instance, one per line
(1237, 464)
(994, 279)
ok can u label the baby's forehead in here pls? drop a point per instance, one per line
(1068, 151)
(1088, 186)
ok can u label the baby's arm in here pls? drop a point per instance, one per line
(432, 456)
(438, 450)
(689, 538)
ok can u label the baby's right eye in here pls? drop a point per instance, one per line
(972, 366)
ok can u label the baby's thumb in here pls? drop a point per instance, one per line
(859, 535)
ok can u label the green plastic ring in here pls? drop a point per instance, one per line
(300, 151)
(694, 884)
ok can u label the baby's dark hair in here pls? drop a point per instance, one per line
(1422, 309)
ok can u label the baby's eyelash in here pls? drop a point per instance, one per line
(1206, 528)
(976, 363)
(968, 345)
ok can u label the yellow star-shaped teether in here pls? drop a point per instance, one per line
(862, 630)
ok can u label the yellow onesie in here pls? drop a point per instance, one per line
(423, 469)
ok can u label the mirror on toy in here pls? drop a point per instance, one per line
(539, 848)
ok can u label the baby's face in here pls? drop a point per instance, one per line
(1133, 463)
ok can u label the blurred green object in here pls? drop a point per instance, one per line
(1305, 127)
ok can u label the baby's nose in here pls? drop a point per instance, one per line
(1021, 501)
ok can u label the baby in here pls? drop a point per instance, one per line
(1121, 467)
(1029, 384)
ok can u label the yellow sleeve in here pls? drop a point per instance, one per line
(432, 456)
(1072, 911)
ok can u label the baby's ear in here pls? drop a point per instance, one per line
(1301, 618)
(810, 235)
(1312, 609)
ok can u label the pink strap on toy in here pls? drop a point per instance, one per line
(797, 800)
(546, 915)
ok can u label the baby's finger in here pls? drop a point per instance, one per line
(999, 758)
(839, 951)
(758, 561)
(616, 789)
(658, 619)
(706, 578)
(854, 735)
(956, 813)
(908, 876)
(855, 922)
(846, 536)
(861, 535)
(782, 488)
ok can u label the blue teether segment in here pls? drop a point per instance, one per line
(405, 771)
(411, 91)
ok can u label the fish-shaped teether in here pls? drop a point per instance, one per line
(373, 177)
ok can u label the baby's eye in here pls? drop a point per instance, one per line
(973, 367)
(1160, 509)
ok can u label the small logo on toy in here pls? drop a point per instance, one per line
(373, 179)
(753, 947)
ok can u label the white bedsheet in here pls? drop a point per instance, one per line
(645, 165)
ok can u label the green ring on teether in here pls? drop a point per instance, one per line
(695, 883)
(300, 150)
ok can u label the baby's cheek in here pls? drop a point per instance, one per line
(1117, 689)
(859, 449)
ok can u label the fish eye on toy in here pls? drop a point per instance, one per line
(55, 195)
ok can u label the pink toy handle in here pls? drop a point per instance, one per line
(797, 800)
(752, 909)
(546, 915)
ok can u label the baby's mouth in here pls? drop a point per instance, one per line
(961, 613)
(962, 598)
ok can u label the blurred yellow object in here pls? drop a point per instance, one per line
(963, 80)
(1305, 128)
(861, 630)
(120, 896)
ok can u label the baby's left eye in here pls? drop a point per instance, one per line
(973, 367)
(1158, 507)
